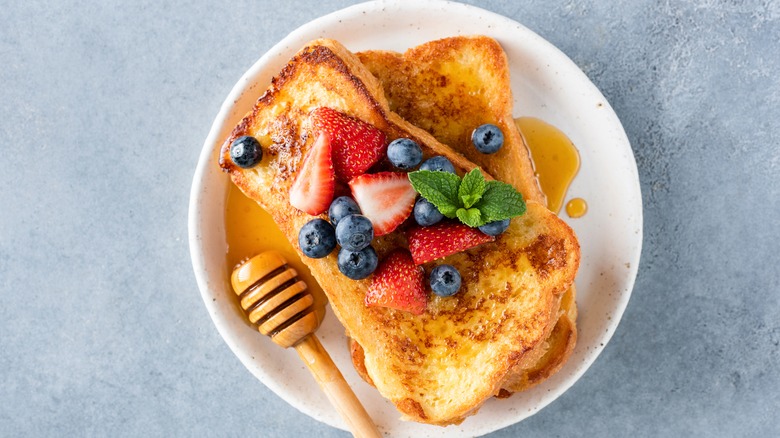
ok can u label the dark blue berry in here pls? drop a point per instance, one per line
(357, 265)
(438, 163)
(317, 238)
(246, 152)
(342, 207)
(495, 228)
(404, 153)
(354, 232)
(445, 280)
(487, 138)
(425, 213)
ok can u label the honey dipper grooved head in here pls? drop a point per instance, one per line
(274, 299)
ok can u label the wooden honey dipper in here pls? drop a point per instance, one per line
(280, 305)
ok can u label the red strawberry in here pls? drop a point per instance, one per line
(387, 198)
(398, 284)
(313, 188)
(356, 145)
(443, 239)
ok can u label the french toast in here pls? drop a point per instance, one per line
(447, 87)
(440, 366)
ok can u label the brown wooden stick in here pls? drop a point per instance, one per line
(336, 388)
(280, 306)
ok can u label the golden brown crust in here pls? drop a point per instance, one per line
(450, 86)
(426, 365)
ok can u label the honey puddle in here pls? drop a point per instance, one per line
(250, 231)
(555, 158)
(577, 207)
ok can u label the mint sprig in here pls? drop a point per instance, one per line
(474, 201)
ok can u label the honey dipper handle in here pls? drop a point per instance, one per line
(336, 388)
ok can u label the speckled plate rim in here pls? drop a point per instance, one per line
(546, 84)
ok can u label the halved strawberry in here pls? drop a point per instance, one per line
(443, 239)
(398, 284)
(356, 145)
(387, 198)
(313, 188)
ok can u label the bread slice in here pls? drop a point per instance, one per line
(448, 87)
(441, 366)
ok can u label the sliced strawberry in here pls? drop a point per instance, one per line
(398, 284)
(356, 145)
(313, 188)
(387, 198)
(443, 239)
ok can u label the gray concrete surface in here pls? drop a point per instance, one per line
(103, 110)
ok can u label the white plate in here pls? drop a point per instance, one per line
(547, 85)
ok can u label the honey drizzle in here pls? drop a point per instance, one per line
(577, 207)
(250, 230)
(555, 158)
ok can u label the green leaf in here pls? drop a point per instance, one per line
(471, 217)
(439, 188)
(471, 188)
(500, 201)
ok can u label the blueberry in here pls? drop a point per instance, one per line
(404, 153)
(495, 228)
(438, 163)
(246, 152)
(342, 207)
(354, 232)
(425, 213)
(357, 265)
(445, 280)
(487, 138)
(317, 238)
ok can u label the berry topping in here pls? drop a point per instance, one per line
(404, 153)
(356, 145)
(357, 265)
(354, 232)
(443, 239)
(487, 138)
(398, 284)
(386, 198)
(495, 228)
(438, 163)
(425, 213)
(246, 152)
(445, 280)
(313, 188)
(317, 238)
(342, 207)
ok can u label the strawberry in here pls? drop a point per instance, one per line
(356, 145)
(443, 239)
(313, 188)
(387, 198)
(398, 284)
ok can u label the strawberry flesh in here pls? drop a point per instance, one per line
(398, 284)
(313, 188)
(440, 240)
(387, 198)
(356, 145)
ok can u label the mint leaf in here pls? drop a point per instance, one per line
(500, 201)
(471, 188)
(439, 188)
(471, 217)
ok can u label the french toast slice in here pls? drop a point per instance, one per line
(438, 367)
(448, 87)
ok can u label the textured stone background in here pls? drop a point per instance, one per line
(103, 110)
